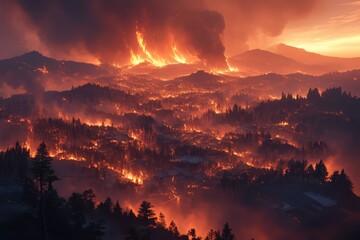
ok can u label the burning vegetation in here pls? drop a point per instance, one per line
(164, 138)
(174, 148)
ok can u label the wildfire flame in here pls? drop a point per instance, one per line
(137, 179)
(43, 69)
(146, 55)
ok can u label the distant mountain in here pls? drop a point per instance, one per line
(36, 61)
(33, 71)
(331, 64)
(259, 61)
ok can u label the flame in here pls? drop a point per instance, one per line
(136, 59)
(43, 69)
(130, 176)
(137, 179)
(147, 55)
(250, 164)
(61, 155)
(178, 56)
(232, 68)
(105, 122)
(283, 124)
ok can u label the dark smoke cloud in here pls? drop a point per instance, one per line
(107, 29)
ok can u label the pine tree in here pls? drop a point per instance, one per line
(89, 198)
(106, 207)
(173, 229)
(162, 222)
(321, 172)
(43, 174)
(192, 235)
(42, 170)
(147, 215)
(211, 235)
(341, 181)
(226, 233)
(76, 205)
(117, 210)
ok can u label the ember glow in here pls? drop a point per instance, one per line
(184, 119)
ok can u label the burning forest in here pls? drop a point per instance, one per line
(178, 120)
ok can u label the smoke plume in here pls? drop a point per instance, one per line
(109, 30)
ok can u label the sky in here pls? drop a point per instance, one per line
(332, 29)
(211, 30)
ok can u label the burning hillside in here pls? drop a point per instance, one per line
(177, 120)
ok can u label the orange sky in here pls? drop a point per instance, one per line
(332, 29)
(329, 27)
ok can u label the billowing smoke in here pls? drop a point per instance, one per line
(108, 29)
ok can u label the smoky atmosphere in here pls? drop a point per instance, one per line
(179, 120)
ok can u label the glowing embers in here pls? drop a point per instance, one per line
(100, 123)
(61, 155)
(128, 175)
(283, 124)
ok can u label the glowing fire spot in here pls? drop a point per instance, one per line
(128, 175)
(233, 69)
(283, 124)
(250, 164)
(43, 69)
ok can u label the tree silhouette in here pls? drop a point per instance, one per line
(213, 235)
(43, 175)
(341, 181)
(42, 170)
(226, 233)
(147, 215)
(76, 206)
(310, 172)
(192, 234)
(117, 211)
(162, 222)
(93, 231)
(106, 207)
(321, 172)
(89, 198)
(173, 229)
